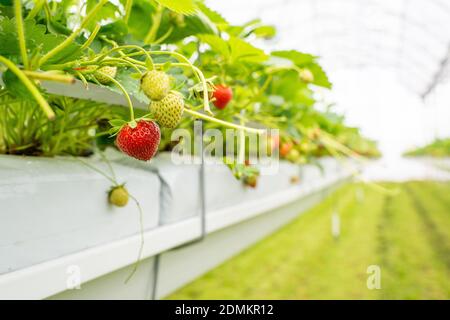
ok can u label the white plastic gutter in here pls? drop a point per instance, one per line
(49, 278)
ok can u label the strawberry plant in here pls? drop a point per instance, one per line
(178, 57)
(437, 148)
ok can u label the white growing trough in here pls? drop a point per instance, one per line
(55, 218)
(57, 228)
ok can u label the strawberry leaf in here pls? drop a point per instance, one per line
(15, 86)
(244, 51)
(37, 40)
(298, 58)
(217, 44)
(304, 60)
(185, 7)
(117, 122)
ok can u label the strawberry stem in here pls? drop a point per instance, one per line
(197, 72)
(20, 32)
(128, 6)
(120, 48)
(157, 16)
(50, 76)
(127, 96)
(203, 116)
(70, 39)
(92, 36)
(30, 86)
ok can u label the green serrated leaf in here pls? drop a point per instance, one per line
(266, 32)
(320, 77)
(140, 18)
(36, 40)
(15, 86)
(195, 24)
(108, 11)
(216, 43)
(116, 30)
(186, 7)
(304, 60)
(298, 58)
(117, 122)
(214, 16)
(113, 131)
(244, 51)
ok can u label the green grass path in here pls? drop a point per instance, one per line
(407, 236)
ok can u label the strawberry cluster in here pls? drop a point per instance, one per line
(167, 107)
(140, 139)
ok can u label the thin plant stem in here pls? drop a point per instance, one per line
(142, 242)
(37, 7)
(127, 96)
(156, 21)
(128, 6)
(30, 86)
(112, 180)
(74, 34)
(21, 32)
(129, 46)
(50, 76)
(164, 36)
(203, 116)
(91, 38)
(108, 163)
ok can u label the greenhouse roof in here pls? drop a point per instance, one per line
(410, 37)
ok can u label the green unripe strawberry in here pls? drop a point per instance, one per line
(293, 155)
(251, 181)
(100, 73)
(306, 75)
(168, 111)
(155, 84)
(118, 196)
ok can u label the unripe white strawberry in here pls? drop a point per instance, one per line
(100, 73)
(306, 75)
(118, 196)
(155, 84)
(168, 111)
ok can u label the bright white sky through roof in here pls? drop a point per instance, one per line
(379, 54)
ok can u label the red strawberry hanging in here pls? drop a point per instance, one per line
(140, 142)
(222, 95)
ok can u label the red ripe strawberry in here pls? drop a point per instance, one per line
(140, 142)
(285, 148)
(223, 95)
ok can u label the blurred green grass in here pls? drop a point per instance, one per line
(407, 235)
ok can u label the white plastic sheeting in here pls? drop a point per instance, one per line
(380, 55)
(410, 36)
